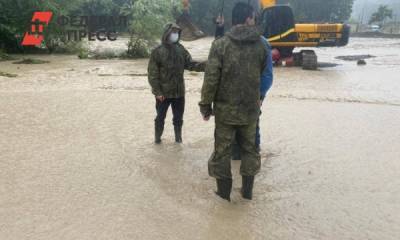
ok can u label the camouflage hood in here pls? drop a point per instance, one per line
(167, 31)
(244, 33)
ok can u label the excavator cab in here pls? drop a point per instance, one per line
(278, 25)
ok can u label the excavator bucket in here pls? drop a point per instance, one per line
(190, 31)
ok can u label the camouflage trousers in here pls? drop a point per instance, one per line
(219, 165)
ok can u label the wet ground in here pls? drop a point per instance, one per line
(77, 159)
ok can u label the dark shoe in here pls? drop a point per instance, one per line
(247, 187)
(158, 133)
(178, 134)
(224, 188)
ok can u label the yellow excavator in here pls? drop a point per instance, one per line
(279, 27)
(277, 21)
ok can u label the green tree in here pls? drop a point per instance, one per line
(16, 15)
(381, 15)
(147, 19)
(322, 10)
(204, 12)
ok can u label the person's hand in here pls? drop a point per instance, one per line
(160, 98)
(206, 111)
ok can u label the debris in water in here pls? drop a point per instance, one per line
(31, 61)
(10, 75)
(355, 57)
(327, 65)
(361, 62)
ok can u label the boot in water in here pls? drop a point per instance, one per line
(224, 187)
(247, 187)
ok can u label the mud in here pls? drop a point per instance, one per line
(77, 159)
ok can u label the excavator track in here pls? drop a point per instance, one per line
(309, 60)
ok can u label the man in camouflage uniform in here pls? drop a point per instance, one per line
(165, 74)
(231, 90)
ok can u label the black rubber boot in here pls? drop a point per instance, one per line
(159, 128)
(247, 187)
(178, 134)
(224, 188)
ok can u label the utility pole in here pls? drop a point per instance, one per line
(362, 16)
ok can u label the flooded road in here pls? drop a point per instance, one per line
(77, 159)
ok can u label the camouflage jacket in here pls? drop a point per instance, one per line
(167, 65)
(232, 79)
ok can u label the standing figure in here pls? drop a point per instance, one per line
(165, 74)
(231, 90)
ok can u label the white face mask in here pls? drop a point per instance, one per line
(174, 37)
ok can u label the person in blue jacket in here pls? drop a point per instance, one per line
(266, 81)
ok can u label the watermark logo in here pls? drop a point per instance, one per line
(35, 37)
(92, 28)
(75, 28)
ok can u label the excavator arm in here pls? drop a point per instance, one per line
(186, 5)
(190, 31)
(267, 3)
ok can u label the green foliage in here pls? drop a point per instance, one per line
(381, 15)
(203, 12)
(138, 48)
(16, 15)
(322, 10)
(5, 56)
(72, 48)
(147, 18)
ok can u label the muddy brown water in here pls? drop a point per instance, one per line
(77, 159)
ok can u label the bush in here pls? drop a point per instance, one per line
(5, 56)
(138, 48)
(71, 47)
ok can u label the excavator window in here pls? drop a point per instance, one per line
(277, 20)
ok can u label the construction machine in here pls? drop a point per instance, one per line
(279, 27)
(190, 31)
(277, 21)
